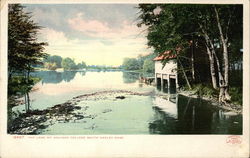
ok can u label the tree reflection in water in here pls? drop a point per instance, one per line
(192, 116)
(129, 77)
(57, 77)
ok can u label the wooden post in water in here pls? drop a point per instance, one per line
(168, 82)
(156, 83)
(162, 82)
(176, 81)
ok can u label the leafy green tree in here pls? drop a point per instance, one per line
(130, 64)
(68, 64)
(54, 59)
(148, 66)
(81, 65)
(23, 48)
(24, 52)
(50, 66)
(174, 26)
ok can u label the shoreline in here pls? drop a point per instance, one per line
(214, 102)
(73, 110)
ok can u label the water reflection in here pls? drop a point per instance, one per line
(176, 114)
(67, 76)
(164, 88)
(57, 77)
(129, 77)
(192, 116)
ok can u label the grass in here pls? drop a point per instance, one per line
(203, 90)
(208, 91)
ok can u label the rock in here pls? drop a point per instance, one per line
(77, 107)
(106, 110)
(78, 117)
(120, 97)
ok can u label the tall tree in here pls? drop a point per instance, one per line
(24, 50)
(218, 26)
(170, 27)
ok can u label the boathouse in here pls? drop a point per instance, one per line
(166, 75)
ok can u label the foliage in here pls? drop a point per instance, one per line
(81, 65)
(130, 64)
(68, 64)
(208, 91)
(148, 66)
(23, 48)
(54, 59)
(50, 66)
(217, 30)
(138, 63)
(204, 90)
(236, 93)
(19, 85)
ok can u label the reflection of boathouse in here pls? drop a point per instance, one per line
(166, 75)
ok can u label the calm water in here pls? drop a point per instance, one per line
(175, 114)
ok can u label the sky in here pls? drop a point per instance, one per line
(98, 34)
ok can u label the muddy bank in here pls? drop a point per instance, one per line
(214, 101)
(33, 122)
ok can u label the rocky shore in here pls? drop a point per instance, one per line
(33, 122)
(74, 110)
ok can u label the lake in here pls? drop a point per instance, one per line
(159, 112)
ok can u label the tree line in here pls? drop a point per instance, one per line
(143, 63)
(214, 30)
(55, 61)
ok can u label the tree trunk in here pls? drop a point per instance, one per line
(212, 69)
(224, 88)
(211, 60)
(192, 60)
(184, 73)
(221, 79)
(28, 102)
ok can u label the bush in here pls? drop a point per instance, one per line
(149, 66)
(204, 90)
(236, 95)
(18, 85)
(50, 66)
(68, 64)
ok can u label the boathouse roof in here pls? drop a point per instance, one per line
(165, 55)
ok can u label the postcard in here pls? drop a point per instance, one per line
(124, 78)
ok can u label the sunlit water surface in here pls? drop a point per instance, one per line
(175, 114)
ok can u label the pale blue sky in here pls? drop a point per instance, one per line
(99, 34)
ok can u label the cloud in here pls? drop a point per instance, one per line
(53, 36)
(82, 25)
(99, 34)
(47, 17)
(93, 52)
(95, 28)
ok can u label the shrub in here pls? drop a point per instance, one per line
(236, 95)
